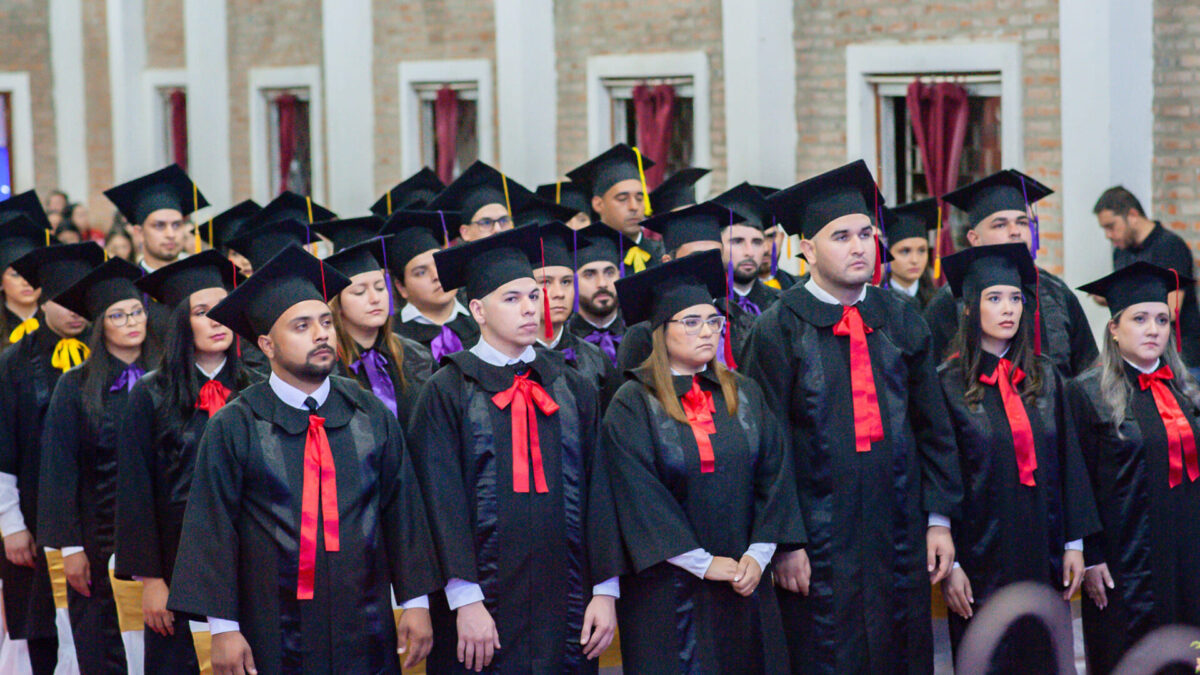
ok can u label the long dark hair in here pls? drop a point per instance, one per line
(1020, 353)
(179, 371)
(102, 368)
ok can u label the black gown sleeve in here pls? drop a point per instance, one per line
(1080, 517)
(941, 477)
(10, 457)
(58, 519)
(941, 315)
(766, 351)
(635, 347)
(1086, 422)
(137, 542)
(414, 567)
(777, 518)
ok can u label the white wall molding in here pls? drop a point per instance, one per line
(260, 165)
(412, 73)
(527, 89)
(153, 81)
(209, 162)
(21, 143)
(70, 96)
(349, 104)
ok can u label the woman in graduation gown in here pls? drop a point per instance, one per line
(909, 273)
(1137, 424)
(703, 488)
(79, 455)
(166, 416)
(18, 298)
(1028, 503)
(389, 365)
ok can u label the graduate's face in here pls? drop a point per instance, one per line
(1142, 332)
(119, 246)
(1002, 227)
(241, 261)
(301, 342)
(911, 258)
(421, 286)
(597, 295)
(622, 207)
(364, 303)
(843, 252)
(558, 283)
(125, 324)
(509, 316)
(692, 351)
(209, 336)
(774, 233)
(1000, 309)
(744, 246)
(61, 320)
(163, 233)
(579, 221)
(485, 222)
(17, 291)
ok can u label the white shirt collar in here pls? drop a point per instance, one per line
(911, 291)
(824, 296)
(410, 313)
(741, 294)
(553, 343)
(494, 357)
(611, 320)
(216, 371)
(293, 397)
(676, 372)
(1157, 363)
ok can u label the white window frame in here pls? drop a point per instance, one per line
(154, 81)
(412, 75)
(16, 84)
(265, 79)
(650, 66)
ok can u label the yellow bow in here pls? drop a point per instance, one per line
(24, 328)
(774, 283)
(69, 353)
(638, 258)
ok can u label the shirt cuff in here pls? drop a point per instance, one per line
(217, 626)
(695, 561)
(1075, 545)
(11, 519)
(418, 602)
(610, 586)
(71, 550)
(762, 554)
(460, 593)
(938, 520)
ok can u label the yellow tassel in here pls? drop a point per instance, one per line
(558, 192)
(937, 245)
(195, 205)
(309, 202)
(389, 202)
(210, 234)
(642, 177)
(47, 237)
(507, 205)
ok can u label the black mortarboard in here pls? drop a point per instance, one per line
(287, 206)
(484, 265)
(766, 190)
(610, 167)
(100, 288)
(19, 236)
(477, 187)
(413, 192)
(1136, 283)
(661, 292)
(970, 271)
(599, 242)
(539, 212)
(702, 222)
(748, 203)
(1007, 190)
(167, 188)
(55, 268)
(26, 203)
(262, 243)
(911, 220)
(176, 282)
(678, 190)
(365, 256)
(806, 208)
(347, 232)
(567, 193)
(413, 233)
(291, 277)
(227, 224)
(558, 245)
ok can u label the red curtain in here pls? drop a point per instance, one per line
(179, 131)
(939, 121)
(654, 108)
(445, 121)
(287, 104)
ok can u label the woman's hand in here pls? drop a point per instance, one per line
(1097, 582)
(956, 589)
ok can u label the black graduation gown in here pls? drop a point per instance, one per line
(1066, 336)
(535, 555)
(239, 553)
(11, 321)
(581, 328)
(865, 513)
(1150, 530)
(671, 621)
(1009, 532)
(654, 247)
(463, 326)
(418, 367)
(589, 361)
(26, 382)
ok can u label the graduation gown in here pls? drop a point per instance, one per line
(463, 326)
(535, 555)
(239, 553)
(11, 321)
(587, 359)
(582, 328)
(1150, 530)
(1066, 336)
(865, 513)
(418, 366)
(672, 621)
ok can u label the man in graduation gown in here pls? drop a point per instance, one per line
(678, 191)
(303, 516)
(743, 245)
(619, 197)
(768, 268)
(998, 212)
(28, 373)
(850, 369)
(19, 234)
(597, 263)
(503, 441)
(485, 199)
(226, 225)
(570, 195)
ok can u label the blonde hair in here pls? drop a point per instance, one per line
(1114, 386)
(663, 388)
(349, 351)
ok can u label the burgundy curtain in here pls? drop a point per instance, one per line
(179, 131)
(287, 104)
(445, 121)
(939, 121)
(654, 108)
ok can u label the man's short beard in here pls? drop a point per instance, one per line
(764, 269)
(742, 277)
(589, 305)
(307, 371)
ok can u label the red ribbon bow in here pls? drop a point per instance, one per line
(698, 405)
(320, 481)
(1181, 442)
(213, 396)
(868, 425)
(1006, 377)
(520, 395)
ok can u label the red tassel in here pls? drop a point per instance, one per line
(877, 275)
(546, 296)
(729, 362)
(1178, 308)
(1037, 314)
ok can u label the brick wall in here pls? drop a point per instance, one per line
(1177, 117)
(98, 111)
(31, 53)
(164, 34)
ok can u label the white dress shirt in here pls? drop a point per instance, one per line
(410, 312)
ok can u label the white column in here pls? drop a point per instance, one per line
(1107, 61)
(70, 118)
(208, 99)
(527, 90)
(349, 105)
(760, 91)
(126, 61)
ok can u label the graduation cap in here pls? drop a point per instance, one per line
(19, 236)
(102, 287)
(28, 204)
(262, 243)
(970, 271)
(484, 265)
(911, 220)
(765, 190)
(806, 208)
(748, 203)
(618, 163)
(227, 224)
(702, 222)
(599, 242)
(176, 282)
(347, 232)
(291, 277)
(167, 188)
(661, 292)
(678, 190)
(477, 187)
(570, 194)
(288, 206)
(558, 245)
(413, 192)
(55, 268)
(1007, 190)
(540, 212)
(1136, 283)
(365, 256)
(413, 233)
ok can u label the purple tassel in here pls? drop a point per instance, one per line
(445, 232)
(621, 244)
(575, 266)
(387, 278)
(1033, 220)
(774, 257)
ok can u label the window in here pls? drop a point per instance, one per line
(466, 90)
(289, 145)
(173, 140)
(286, 132)
(464, 98)
(6, 159)
(680, 135)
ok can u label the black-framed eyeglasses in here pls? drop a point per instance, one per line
(489, 223)
(691, 324)
(123, 318)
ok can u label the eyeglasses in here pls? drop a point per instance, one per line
(691, 324)
(489, 223)
(123, 318)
